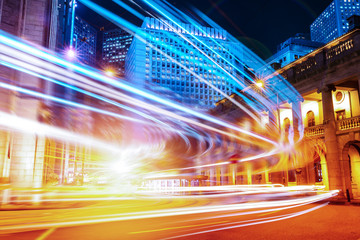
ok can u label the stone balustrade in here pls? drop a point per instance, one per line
(348, 123)
(323, 58)
(314, 131)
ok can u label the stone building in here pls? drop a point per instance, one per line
(328, 79)
(22, 155)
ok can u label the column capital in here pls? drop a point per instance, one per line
(298, 99)
(326, 88)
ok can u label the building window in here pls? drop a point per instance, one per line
(310, 117)
(340, 115)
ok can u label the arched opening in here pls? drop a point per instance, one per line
(310, 118)
(317, 168)
(353, 172)
(286, 125)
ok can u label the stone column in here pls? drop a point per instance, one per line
(274, 121)
(358, 77)
(324, 170)
(232, 173)
(248, 168)
(23, 160)
(266, 173)
(332, 152)
(297, 120)
(218, 175)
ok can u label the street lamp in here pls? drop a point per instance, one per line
(110, 72)
(259, 84)
(71, 53)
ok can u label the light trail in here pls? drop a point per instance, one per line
(67, 102)
(70, 221)
(31, 69)
(102, 78)
(52, 68)
(33, 127)
(198, 124)
(211, 192)
(253, 222)
(166, 12)
(142, 37)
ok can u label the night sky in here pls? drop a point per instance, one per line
(260, 24)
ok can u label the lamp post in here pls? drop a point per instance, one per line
(73, 5)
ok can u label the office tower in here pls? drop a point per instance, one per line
(332, 22)
(164, 58)
(292, 49)
(115, 46)
(84, 42)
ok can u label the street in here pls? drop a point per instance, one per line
(186, 218)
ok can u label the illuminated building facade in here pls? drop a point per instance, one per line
(332, 22)
(330, 113)
(115, 46)
(85, 42)
(292, 49)
(146, 62)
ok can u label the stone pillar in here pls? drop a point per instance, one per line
(358, 77)
(324, 170)
(248, 167)
(22, 169)
(297, 120)
(4, 155)
(332, 152)
(274, 121)
(266, 174)
(232, 173)
(218, 175)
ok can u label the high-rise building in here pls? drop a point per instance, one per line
(292, 49)
(115, 46)
(332, 22)
(165, 59)
(85, 41)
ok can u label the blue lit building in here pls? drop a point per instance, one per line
(292, 49)
(85, 41)
(165, 59)
(332, 22)
(115, 46)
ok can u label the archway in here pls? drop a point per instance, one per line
(286, 125)
(351, 166)
(315, 170)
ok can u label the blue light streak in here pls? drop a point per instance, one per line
(122, 85)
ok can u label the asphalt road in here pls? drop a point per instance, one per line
(111, 220)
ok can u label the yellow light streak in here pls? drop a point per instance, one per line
(180, 227)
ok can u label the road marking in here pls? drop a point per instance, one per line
(170, 228)
(46, 234)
